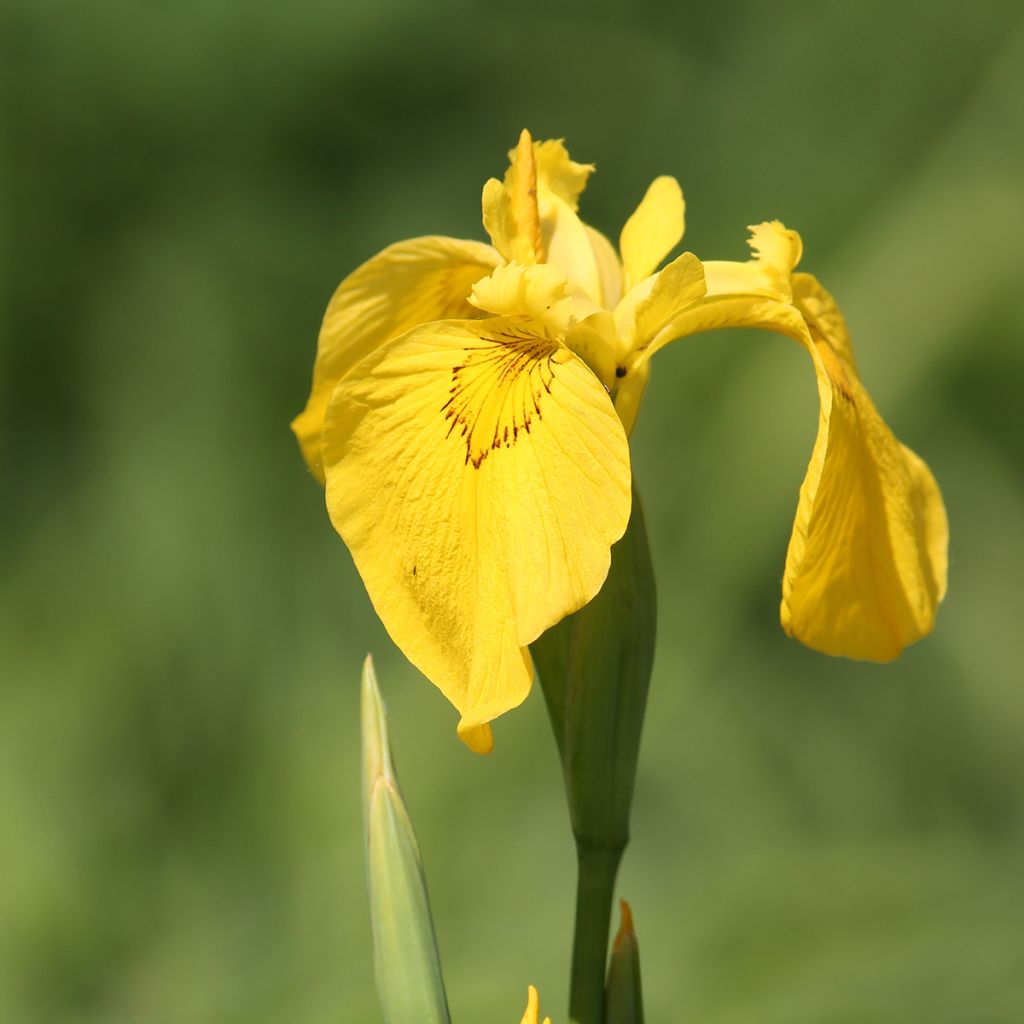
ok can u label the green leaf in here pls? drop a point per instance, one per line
(405, 957)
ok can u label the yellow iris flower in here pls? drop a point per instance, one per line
(470, 411)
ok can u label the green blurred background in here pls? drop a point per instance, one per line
(181, 631)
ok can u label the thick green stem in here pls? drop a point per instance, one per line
(595, 667)
(595, 888)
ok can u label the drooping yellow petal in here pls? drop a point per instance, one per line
(407, 284)
(533, 1008)
(653, 230)
(866, 567)
(479, 476)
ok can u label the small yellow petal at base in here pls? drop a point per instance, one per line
(532, 1013)
(478, 738)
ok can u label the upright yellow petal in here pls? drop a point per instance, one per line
(479, 475)
(654, 229)
(609, 268)
(407, 284)
(866, 567)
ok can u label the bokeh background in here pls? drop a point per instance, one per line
(181, 631)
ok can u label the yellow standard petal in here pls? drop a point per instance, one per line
(609, 268)
(407, 284)
(532, 1014)
(653, 231)
(479, 475)
(866, 567)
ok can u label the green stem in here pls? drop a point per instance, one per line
(595, 888)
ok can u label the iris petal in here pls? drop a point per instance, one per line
(479, 476)
(407, 284)
(866, 566)
(654, 229)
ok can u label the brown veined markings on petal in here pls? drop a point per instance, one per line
(497, 391)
